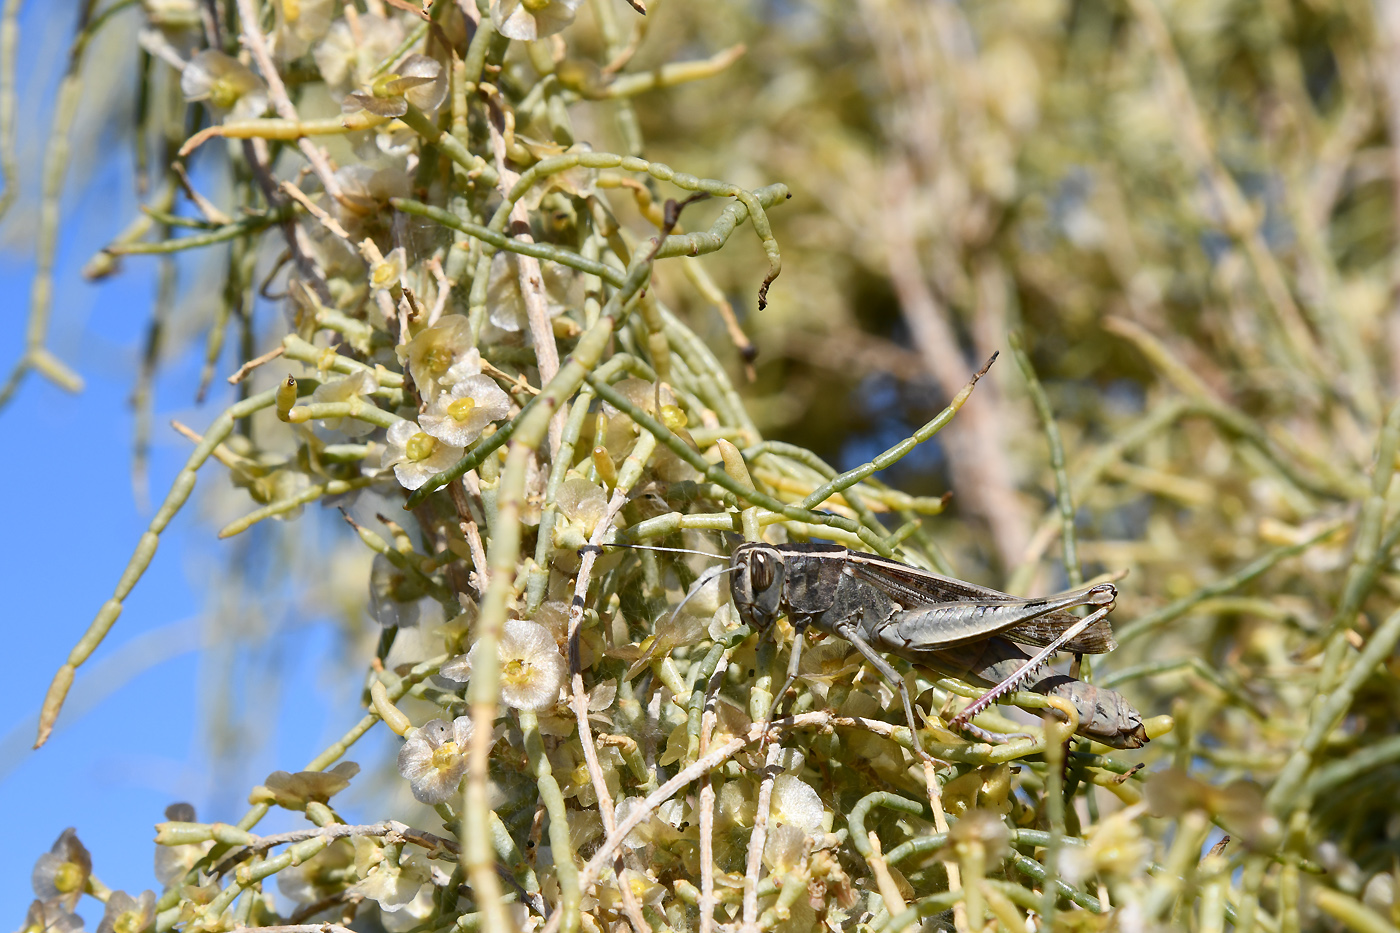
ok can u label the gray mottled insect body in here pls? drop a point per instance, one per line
(879, 604)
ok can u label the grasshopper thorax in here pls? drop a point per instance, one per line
(756, 583)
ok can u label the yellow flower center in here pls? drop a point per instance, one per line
(515, 671)
(224, 93)
(420, 446)
(383, 275)
(128, 921)
(462, 409)
(674, 418)
(291, 9)
(536, 6)
(384, 85)
(446, 755)
(68, 878)
(438, 359)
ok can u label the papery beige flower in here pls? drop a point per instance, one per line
(459, 415)
(528, 20)
(299, 23)
(532, 669)
(294, 791)
(343, 390)
(419, 81)
(346, 60)
(227, 84)
(416, 455)
(505, 304)
(127, 914)
(60, 873)
(393, 594)
(173, 863)
(392, 884)
(319, 876)
(434, 758)
(364, 194)
(441, 355)
(50, 918)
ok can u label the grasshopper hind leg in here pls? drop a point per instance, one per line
(964, 719)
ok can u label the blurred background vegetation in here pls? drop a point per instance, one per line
(1186, 211)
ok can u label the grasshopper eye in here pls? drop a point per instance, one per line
(761, 572)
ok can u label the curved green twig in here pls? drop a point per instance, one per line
(180, 491)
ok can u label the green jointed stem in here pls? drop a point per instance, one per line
(890, 801)
(65, 111)
(1063, 496)
(898, 451)
(298, 349)
(222, 234)
(715, 472)
(1256, 568)
(1367, 553)
(180, 491)
(676, 245)
(566, 869)
(1337, 773)
(545, 251)
(544, 544)
(9, 43)
(475, 165)
(528, 430)
(1283, 795)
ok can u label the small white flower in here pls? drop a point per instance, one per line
(346, 61)
(365, 192)
(50, 918)
(441, 355)
(61, 873)
(459, 415)
(392, 884)
(343, 390)
(582, 502)
(420, 81)
(416, 455)
(532, 669)
(226, 83)
(795, 803)
(434, 758)
(532, 19)
(798, 814)
(506, 305)
(389, 271)
(127, 914)
(410, 915)
(299, 23)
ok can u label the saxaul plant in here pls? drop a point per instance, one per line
(481, 357)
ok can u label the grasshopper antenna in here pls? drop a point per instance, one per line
(700, 583)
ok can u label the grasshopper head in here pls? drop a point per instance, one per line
(756, 583)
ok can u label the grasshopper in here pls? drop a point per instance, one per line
(878, 604)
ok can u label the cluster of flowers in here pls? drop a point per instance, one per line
(459, 402)
(346, 52)
(62, 875)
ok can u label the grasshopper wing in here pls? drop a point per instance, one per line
(940, 611)
(1028, 621)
